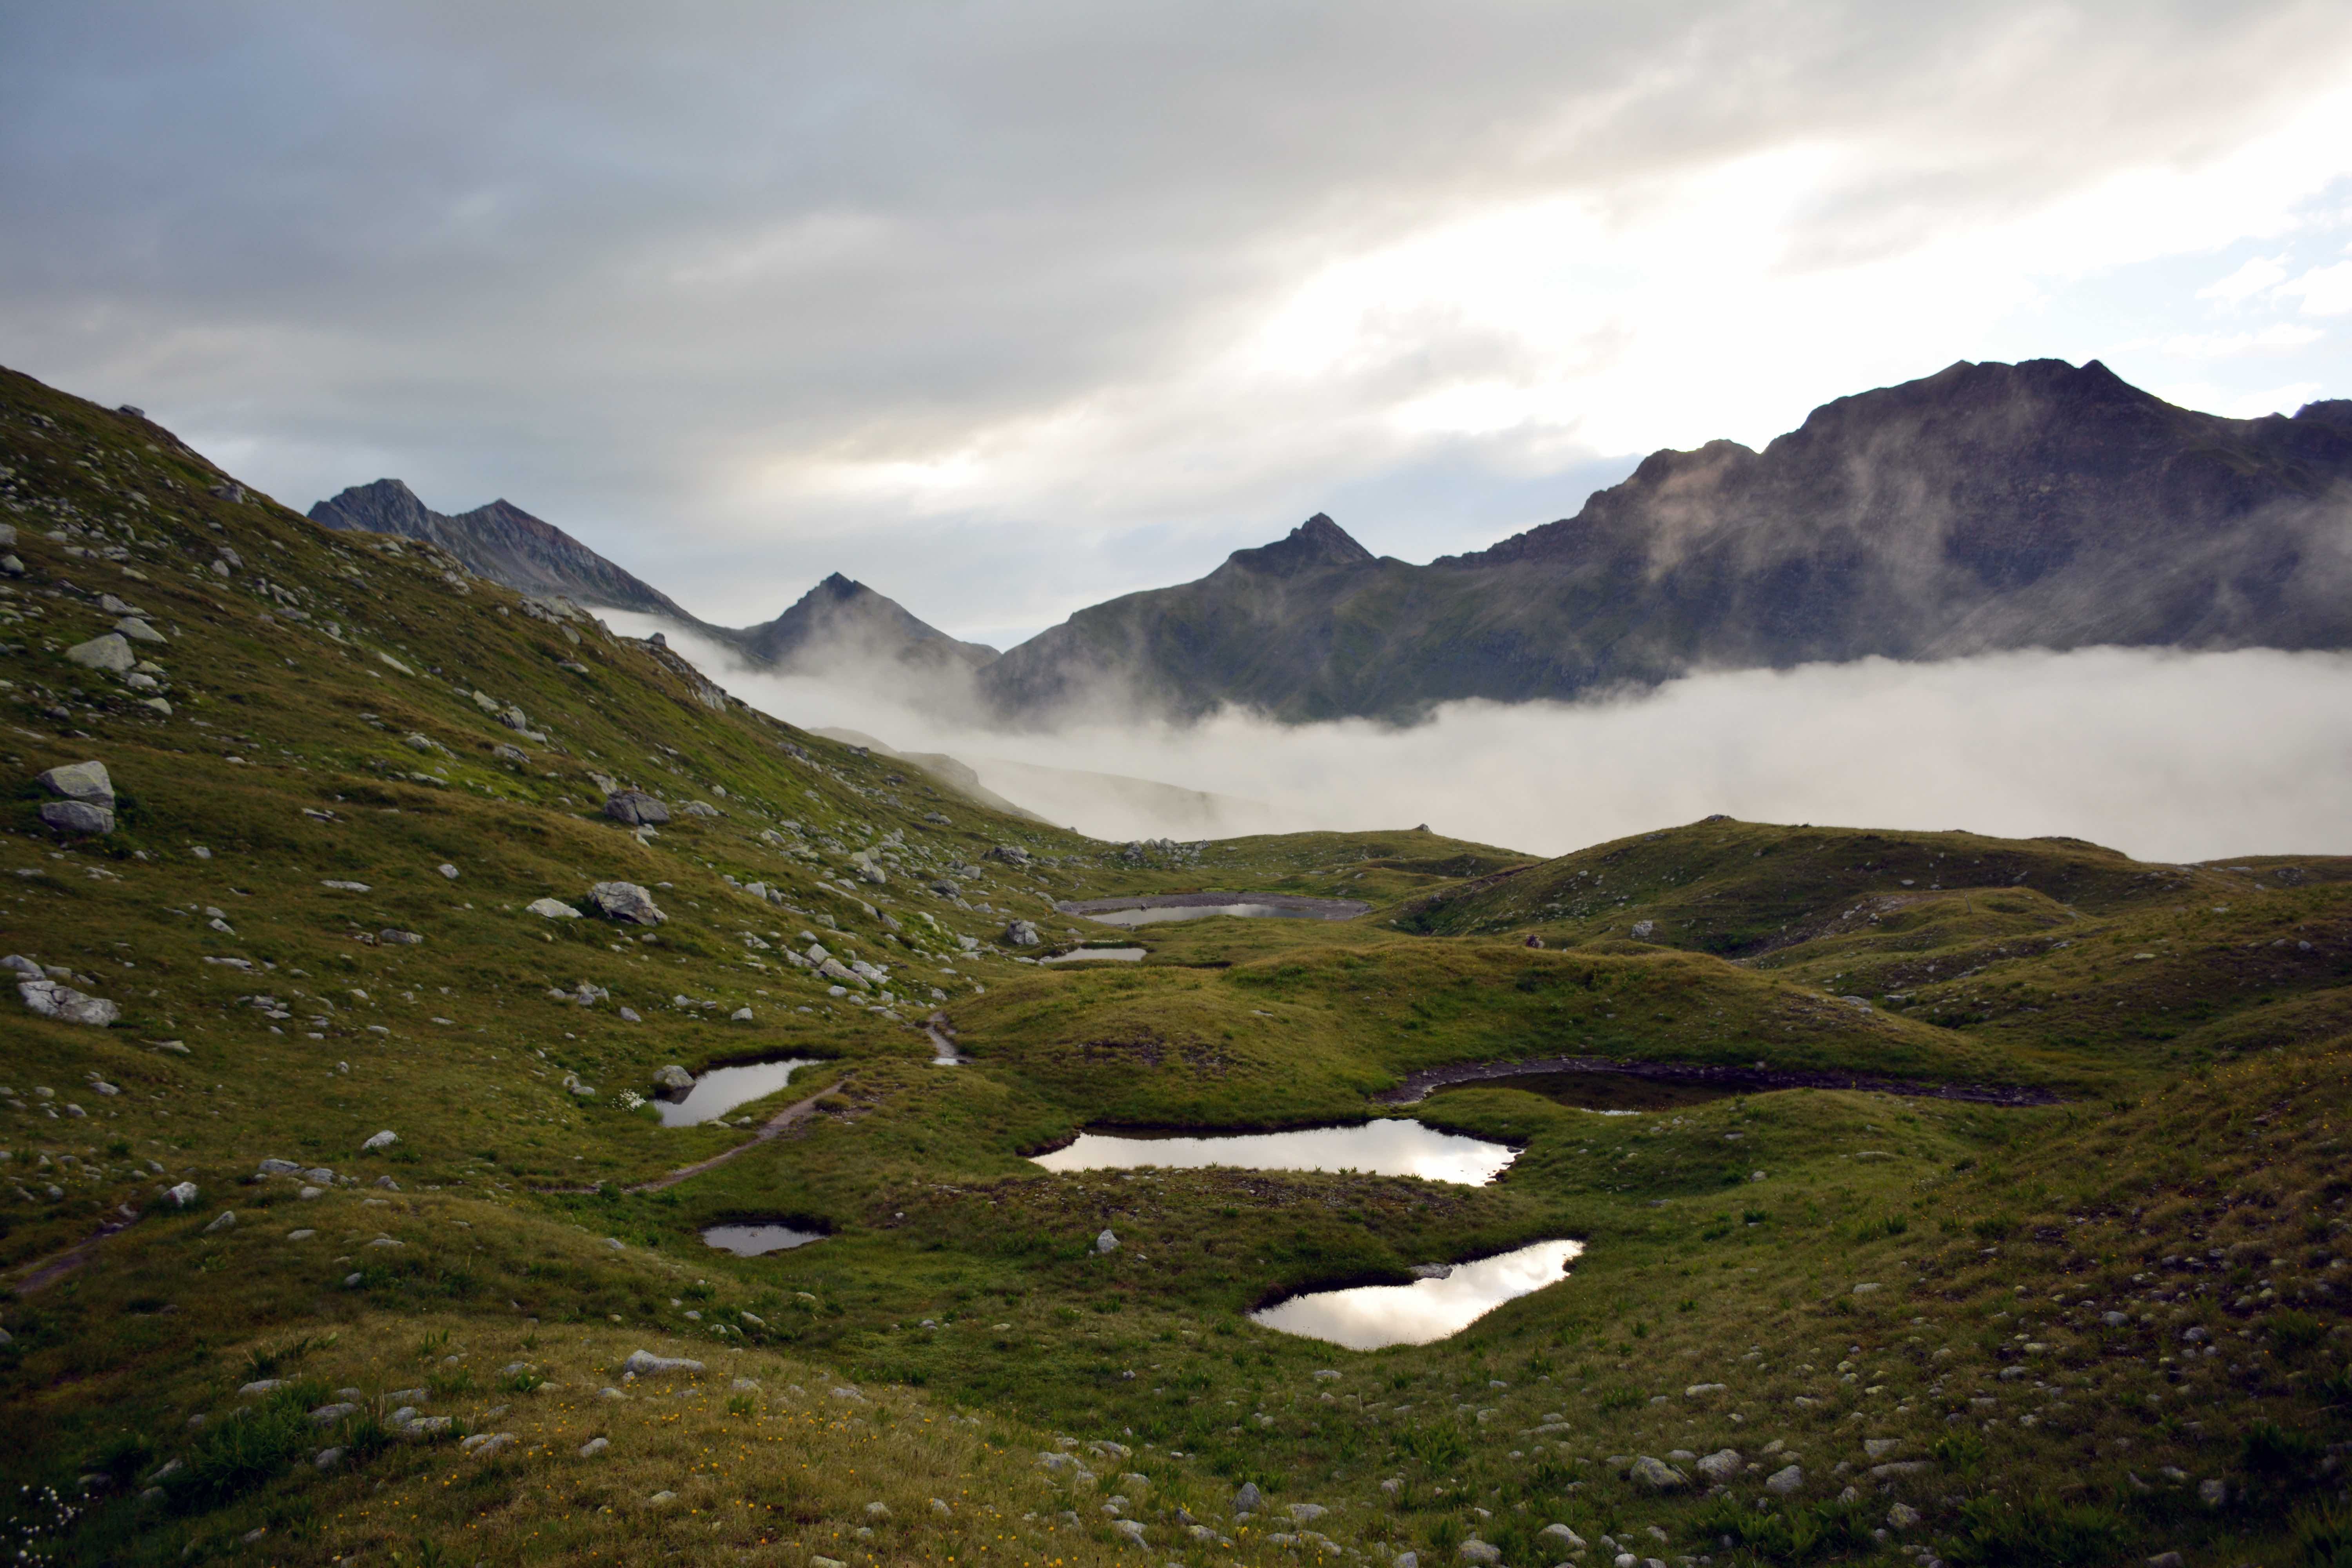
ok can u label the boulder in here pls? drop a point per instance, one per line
(1478, 1552)
(644, 1363)
(384, 1140)
(77, 817)
(1106, 1242)
(700, 808)
(1721, 1465)
(552, 910)
(625, 901)
(507, 753)
(65, 1005)
(1021, 934)
(111, 652)
(1249, 1499)
(1657, 1475)
(181, 1195)
(136, 630)
(79, 781)
(1561, 1538)
(673, 1078)
(636, 808)
(1786, 1482)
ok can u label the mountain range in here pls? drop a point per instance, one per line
(1989, 507)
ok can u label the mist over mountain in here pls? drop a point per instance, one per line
(841, 621)
(1985, 508)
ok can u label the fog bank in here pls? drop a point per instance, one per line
(2167, 756)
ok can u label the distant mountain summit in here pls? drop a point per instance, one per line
(500, 542)
(1988, 507)
(838, 623)
(842, 621)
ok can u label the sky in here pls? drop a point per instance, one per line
(1005, 309)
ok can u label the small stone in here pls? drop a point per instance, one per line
(1721, 1465)
(225, 1220)
(552, 910)
(448, 870)
(1021, 934)
(741, 1015)
(1128, 1530)
(644, 1363)
(1476, 1550)
(137, 630)
(1786, 1482)
(384, 1140)
(328, 1459)
(1879, 1448)
(2213, 1494)
(1567, 1538)
(593, 1446)
(1248, 1499)
(1902, 1516)
(663, 1497)
(181, 1195)
(1106, 1242)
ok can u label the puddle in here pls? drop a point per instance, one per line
(752, 1240)
(1368, 1317)
(1107, 954)
(722, 1089)
(1394, 1148)
(1147, 908)
(1609, 1093)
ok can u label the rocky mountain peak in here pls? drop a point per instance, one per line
(1317, 545)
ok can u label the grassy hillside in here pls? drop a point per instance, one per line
(1975, 1332)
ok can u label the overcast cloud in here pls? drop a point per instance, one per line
(1006, 309)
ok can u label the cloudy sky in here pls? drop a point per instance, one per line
(1006, 309)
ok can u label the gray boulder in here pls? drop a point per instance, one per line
(1721, 1465)
(111, 652)
(137, 630)
(644, 1363)
(1021, 934)
(1786, 1482)
(1106, 1242)
(77, 817)
(1249, 1499)
(51, 1000)
(700, 808)
(625, 901)
(1657, 1475)
(552, 910)
(674, 1078)
(85, 782)
(636, 808)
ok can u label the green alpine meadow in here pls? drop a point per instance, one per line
(398, 1166)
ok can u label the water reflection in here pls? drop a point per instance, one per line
(751, 1240)
(1392, 1148)
(722, 1089)
(1110, 954)
(1368, 1317)
(1193, 913)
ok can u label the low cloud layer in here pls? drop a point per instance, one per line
(2165, 756)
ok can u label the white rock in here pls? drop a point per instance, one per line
(111, 652)
(384, 1140)
(552, 910)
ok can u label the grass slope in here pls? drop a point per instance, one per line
(2084, 1333)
